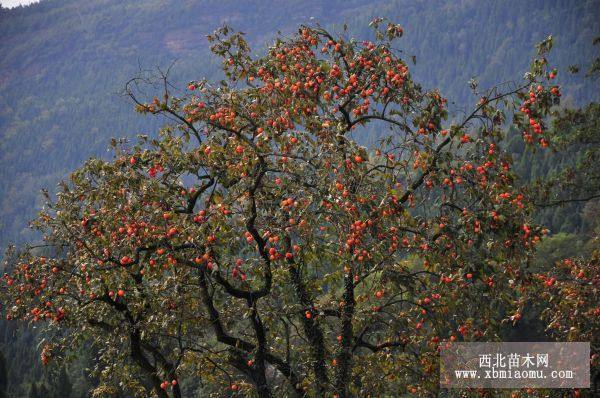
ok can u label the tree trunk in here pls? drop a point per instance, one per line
(344, 357)
(138, 356)
(313, 333)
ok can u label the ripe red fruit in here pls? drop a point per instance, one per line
(289, 256)
(469, 275)
(121, 292)
(358, 159)
(239, 149)
(308, 314)
(132, 160)
(191, 87)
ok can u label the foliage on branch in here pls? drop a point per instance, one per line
(255, 246)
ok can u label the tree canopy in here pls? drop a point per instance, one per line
(255, 247)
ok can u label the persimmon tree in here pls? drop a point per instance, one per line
(255, 247)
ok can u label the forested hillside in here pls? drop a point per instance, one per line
(64, 64)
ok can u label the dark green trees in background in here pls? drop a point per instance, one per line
(33, 391)
(60, 387)
(3, 376)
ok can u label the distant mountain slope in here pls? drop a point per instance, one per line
(64, 61)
